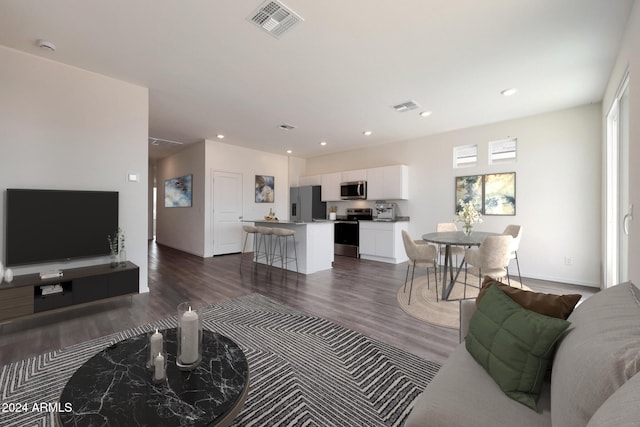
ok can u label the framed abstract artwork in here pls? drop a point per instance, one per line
(178, 192)
(469, 189)
(265, 189)
(500, 194)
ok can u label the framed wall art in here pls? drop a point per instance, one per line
(469, 189)
(178, 192)
(500, 194)
(265, 189)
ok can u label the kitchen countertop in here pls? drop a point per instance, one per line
(287, 221)
(397, 219)
(319, 220)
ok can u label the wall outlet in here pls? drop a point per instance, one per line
(568, 260)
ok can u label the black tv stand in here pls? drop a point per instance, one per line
(25, 295)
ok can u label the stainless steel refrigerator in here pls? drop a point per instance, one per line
(307, 204)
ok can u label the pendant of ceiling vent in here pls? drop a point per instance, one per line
(406, 106)
(285, 126)
(274, 17)
(158, 142)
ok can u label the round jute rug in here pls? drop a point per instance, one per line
(442, 313)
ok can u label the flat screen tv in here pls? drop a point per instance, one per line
(54, 225)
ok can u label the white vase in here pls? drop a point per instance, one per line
(8, 275)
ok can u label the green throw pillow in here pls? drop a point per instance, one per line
(514, 345)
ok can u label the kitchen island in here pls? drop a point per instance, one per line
(314, 244)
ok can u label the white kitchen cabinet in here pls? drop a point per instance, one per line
(356, 175)
(310, 180)
(331, 186)
(382, 241)
(388, 183)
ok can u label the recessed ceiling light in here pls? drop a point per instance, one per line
(289, 151)
(509, 92)
(323, 143)
(367, 133)
(220, 136)
(425, 113)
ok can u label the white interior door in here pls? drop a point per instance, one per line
(227, 212)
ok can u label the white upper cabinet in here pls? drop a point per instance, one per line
(388, 183)
(385, 183)
(357, 175)
(310, 180)
(331, 186)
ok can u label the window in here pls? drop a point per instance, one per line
(465, 156)
(503, 151)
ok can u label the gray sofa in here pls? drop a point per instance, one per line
(593, 381)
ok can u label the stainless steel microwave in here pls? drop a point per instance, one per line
(353, 190)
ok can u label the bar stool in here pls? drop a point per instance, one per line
(249, 229)
(281, 235)
(264, 232)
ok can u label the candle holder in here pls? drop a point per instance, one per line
(189, 337)
(156, 345)
(159, 368)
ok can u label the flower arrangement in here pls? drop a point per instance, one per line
(468, 214)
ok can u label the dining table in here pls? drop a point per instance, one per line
(449, 239)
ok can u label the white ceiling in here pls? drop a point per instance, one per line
(338, 73)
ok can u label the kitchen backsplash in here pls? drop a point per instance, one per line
(342, 206)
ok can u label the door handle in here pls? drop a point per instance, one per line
(625, 223)
(627, 219)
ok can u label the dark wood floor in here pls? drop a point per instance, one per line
(357, 294)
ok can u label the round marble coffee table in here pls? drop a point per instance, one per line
(114, 387)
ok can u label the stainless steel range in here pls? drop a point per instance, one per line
(346, 233)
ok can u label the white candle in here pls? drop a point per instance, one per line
(155, 345)
(189, 337)
(158, 364)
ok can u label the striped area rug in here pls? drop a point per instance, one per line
(304, 370)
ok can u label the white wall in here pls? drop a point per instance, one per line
(65, 128)
(183, 228)
(191, 229)
(230, 158)
(557, 186)
(629, 58)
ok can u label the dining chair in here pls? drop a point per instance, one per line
(516, 232)
(490, 258)
(420, 254)
(454, 250)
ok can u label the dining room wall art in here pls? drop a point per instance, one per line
(469, 189)
(265, 189)
(494, 194)
(178, 192)
(500, 194)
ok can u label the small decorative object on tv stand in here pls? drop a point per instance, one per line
(118, 253)
(8, 275)
(50, 274)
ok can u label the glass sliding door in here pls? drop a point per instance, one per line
(619, 211)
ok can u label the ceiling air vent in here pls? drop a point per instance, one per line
(275, 18)
(158, 142)
(285, 126)
(406, 106)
